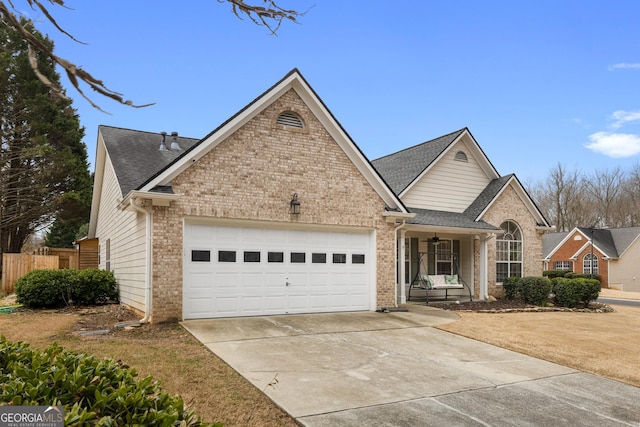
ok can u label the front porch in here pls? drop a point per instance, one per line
(432, 254)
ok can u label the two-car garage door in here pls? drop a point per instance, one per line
(251, 269)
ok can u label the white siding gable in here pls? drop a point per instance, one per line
(449, 185)
(126, 234)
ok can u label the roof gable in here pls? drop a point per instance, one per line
(292, 81)
(403, 169)
(495, 188)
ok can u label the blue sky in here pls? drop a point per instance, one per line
(536, 82)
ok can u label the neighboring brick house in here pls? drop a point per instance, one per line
(278, 211)
(610, 253)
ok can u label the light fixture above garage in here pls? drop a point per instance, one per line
(295, 205)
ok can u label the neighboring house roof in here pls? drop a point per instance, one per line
(602, 239)
(550, 242)
(611, 242)
(135, 155)
(400, 169)
(624, 238)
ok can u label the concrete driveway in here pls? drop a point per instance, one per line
(394, 369)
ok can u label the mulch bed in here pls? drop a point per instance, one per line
(518, 306)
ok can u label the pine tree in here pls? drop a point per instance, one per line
(44, 173)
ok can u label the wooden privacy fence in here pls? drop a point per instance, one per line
(68, 257)
(15, 266)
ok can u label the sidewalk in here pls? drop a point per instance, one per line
(612, 293)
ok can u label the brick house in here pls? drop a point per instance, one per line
(278, 211)
(610, 253)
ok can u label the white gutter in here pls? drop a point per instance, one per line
(133, 202)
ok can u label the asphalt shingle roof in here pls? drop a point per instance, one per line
(400, 169)
(448, 219)
(624, 237)
(135, 155)
(550, 241)
(487, 196)
(602, 239)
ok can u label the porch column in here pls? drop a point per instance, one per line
(484, 268)
(401, 270)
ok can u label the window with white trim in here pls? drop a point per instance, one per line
(508, 252)
(562, 265)
(590, 264)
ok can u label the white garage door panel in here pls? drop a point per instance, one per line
(213, 288)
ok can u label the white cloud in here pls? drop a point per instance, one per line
(623, 117)
(614, 144)
(624, 66)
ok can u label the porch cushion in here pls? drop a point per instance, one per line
(438, 280)
(451, 279)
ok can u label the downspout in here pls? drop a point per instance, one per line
(148, 248)
(399, 263)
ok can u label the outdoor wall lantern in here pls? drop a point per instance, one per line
(295, 205)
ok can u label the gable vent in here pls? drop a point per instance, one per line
(461, 156)
(290, 119)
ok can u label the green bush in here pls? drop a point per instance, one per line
(45, 288)
(572, 275)
(510, 287)
(93, 392)
(57, 288)
(566, 292)
(95, 286)
(555, 273)
(572, 292)
(534, 290)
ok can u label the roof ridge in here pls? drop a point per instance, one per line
(141, 131)
(421, 143)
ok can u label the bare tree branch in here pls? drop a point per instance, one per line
(270, 16)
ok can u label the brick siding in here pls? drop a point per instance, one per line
(509, 207)
(252, 175)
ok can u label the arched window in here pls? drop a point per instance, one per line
(590, 264)
(508, 252)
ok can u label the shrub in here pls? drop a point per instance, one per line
(56, 288)
(45, 288)
(95, 286)
(572, 275)
(566, 292)
(534, 290)
(555, 273)
(510, 287)
(93, 392)
(572, 292)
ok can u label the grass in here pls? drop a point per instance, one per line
(605, 344)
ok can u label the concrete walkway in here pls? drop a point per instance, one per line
(394, 369)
